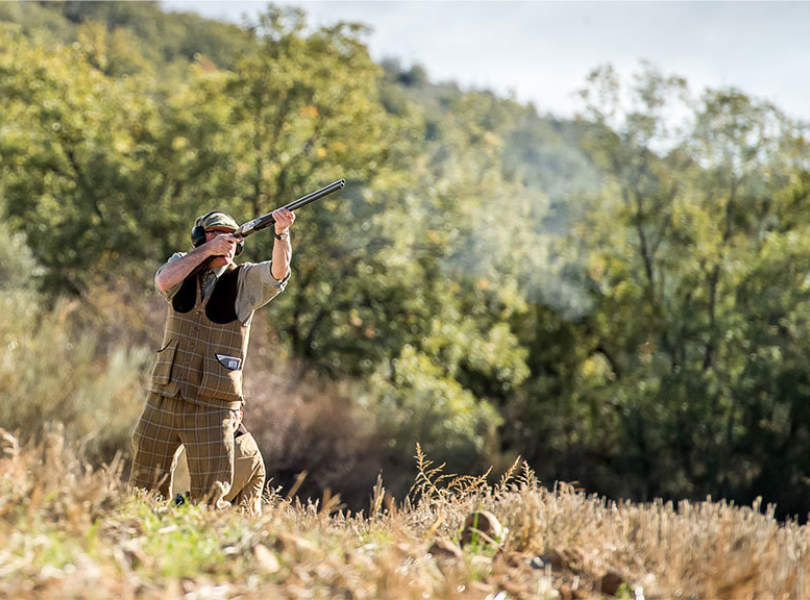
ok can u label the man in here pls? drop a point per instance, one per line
(249, 474)
(195, 391)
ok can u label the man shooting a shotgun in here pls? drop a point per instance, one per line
(195, 390)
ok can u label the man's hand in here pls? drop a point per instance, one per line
(224, 244)
(284, 219)
(219, 250)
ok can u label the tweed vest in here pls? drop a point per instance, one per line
(204, 344)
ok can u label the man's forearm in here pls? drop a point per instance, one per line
(282, 254)
(177, 270)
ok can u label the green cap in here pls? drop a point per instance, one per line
(218, 219)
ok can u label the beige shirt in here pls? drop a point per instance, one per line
(255, 288)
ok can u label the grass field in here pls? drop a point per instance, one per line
(70, 531)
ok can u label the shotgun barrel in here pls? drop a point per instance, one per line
(264, 221)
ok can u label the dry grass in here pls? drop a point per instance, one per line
(67, 530)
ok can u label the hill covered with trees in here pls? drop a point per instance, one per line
(622, 300)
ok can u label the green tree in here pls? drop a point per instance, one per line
(675, 244)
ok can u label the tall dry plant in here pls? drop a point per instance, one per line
(69, 530)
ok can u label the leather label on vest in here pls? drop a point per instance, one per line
(232, 363)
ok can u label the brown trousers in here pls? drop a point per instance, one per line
(249, 475)
(205, 431)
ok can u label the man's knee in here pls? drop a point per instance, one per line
(149, 475)
(211, 476)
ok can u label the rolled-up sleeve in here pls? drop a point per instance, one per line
(169, 294)
(257, 287)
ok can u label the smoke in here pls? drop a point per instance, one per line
(523, 240)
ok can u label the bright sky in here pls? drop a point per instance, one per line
(542, 51)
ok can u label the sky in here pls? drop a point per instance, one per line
(542, 52)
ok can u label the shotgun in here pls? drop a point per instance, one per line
(259, 223)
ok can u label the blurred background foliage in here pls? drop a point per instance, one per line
(622, 299)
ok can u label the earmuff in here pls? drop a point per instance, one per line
(198, 233)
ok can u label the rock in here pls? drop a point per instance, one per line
(481, 587)
(444, 549)
(482, 526)
(266, 559)
(570, 559)
(570, 592)
(511, 560)
(551, 558)
(288, 542)
(610, 583)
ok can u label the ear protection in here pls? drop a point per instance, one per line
(198, 233)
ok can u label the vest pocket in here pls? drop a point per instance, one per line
(220, 381)
(162, 371)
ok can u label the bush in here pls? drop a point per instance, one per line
(50, 373)
(345, 434)
(415, 403)
(309, 423)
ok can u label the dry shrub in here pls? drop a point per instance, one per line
(53, 373)
(58, 366)
(344, 434)
(311, 426)
(122, 311)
